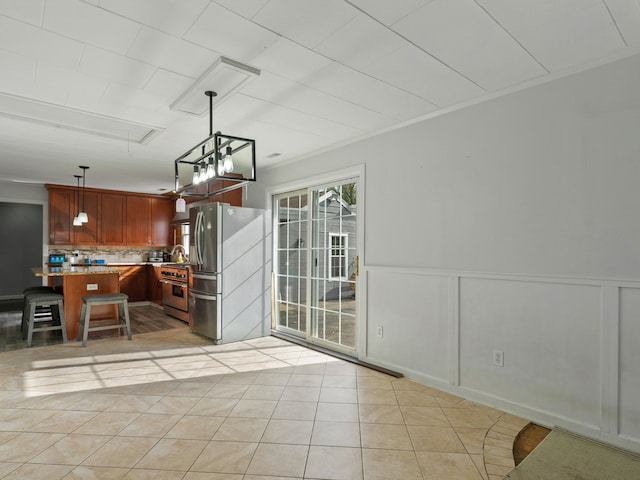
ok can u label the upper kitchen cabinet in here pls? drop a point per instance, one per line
(114, 211)
(148, 220)
(115, 218)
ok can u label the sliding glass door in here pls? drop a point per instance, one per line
(317, 264)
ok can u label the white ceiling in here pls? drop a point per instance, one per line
(331, 71)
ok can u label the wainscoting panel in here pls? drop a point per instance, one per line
(550, 336)
(629, 373)
(412, 310)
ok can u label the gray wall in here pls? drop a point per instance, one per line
(515, 226)
(23, 237)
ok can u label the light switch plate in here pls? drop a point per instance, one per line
(92, 286)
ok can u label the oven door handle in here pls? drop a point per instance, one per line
(177, 284)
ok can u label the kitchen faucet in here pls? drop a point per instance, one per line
(175, 247)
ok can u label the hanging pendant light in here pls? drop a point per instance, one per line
(76, 219)
(181, 205)
(82, 216)
(228, 160)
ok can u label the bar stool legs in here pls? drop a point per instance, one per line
(50, 309)
(122, 322)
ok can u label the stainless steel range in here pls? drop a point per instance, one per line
(175, 291)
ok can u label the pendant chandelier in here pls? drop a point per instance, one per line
(82, 216)
(217, 157)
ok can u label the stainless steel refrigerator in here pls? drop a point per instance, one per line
(230, 272)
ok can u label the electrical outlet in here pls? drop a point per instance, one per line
(379, 331)
(92, 286)
(498, 358)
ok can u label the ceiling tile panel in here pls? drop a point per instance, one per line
(168, 84)
(39, 44)
(66, 79)
(389, 12)
(173, 54)
(290, 60)
(363, 90)
(29, 11)
(627, 16)
(99, 27)
(308, 23)
(15, 68)
(223, 31)
(416, 72)
(246, 8)
(360, 42)
(464, 37)
(559, 34)
(169, 16)
(107, 65)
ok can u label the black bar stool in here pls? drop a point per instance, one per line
(43, 308)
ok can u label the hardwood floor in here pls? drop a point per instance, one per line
(144, 319)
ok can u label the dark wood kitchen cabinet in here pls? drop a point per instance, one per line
(115, 218)
(148, 221)
(114, 211)
(155, 284)
(133, 282)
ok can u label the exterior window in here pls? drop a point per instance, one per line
(338, 256)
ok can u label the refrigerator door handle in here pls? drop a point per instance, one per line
(199, 233)
(203, 297)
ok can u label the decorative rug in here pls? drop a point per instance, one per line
(565, 456)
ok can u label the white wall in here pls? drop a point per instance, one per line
(510, 225)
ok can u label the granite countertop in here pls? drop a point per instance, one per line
(76, 270)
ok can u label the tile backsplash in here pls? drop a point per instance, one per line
(109, 254)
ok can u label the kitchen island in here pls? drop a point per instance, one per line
(78, 281)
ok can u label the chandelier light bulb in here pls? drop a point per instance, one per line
(196, 175)
(228, 160)
(211, 168)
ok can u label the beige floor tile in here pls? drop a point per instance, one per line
(71, 450)
(317, 365)
(416, 398)
(144, 474)
(107, 423)
(338, 395)
(340, 367)
(428, 416)
(279, 460)
(173, 405)
(435, 439)
(377, 396)
(337, 412)
(225, 457)
(134, 403)
(121, 452)
(96, 402)
(388, 437)
(263, 392)
(375, 382)
(272, 379)
(406, 384)
(390, 464)
(228, 390)
(241, 429)
(19, 420)
(478, 460)
(97, 473)
(336, 434)
(288, 410)
(304, 380)
(150, 425)
(301, 394)
(293, 432)
(195, 427)
(266, 477)
(39, 472)
(472, 438)
(253, 408)
(381, 414)
(447, 466)
(192, 389)
(172, 454)
(4, 436)
(213, 407)
(8, 467)
(344, 464)
(339, 381)
(63, 422)
(27, 445)
(463, 417)
(245, 378)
